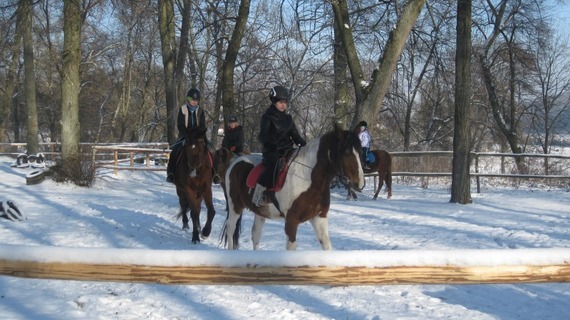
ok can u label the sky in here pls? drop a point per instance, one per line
(136, 210)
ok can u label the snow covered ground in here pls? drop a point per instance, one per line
(138, 209)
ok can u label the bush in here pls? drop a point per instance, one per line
(79, 171)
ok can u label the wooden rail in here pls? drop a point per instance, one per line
(287, 268)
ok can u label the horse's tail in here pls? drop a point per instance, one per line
(237, 232)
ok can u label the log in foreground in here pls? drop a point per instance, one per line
(200, 267)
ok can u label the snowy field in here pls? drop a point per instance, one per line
(137, 210)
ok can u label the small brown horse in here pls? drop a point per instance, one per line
(305, 195)
(382, 166)
(193, 180)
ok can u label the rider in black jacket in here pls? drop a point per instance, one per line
(233, 136)
(278, 136)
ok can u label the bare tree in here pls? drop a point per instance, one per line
(461, 179)
(12, 66)
(26, 11)
(70, 133)
(369, 96)
(226, 79)
(168, 45)
(552, 82)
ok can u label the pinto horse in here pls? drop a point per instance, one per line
(383, 167)
(305, 194)
(193, 180)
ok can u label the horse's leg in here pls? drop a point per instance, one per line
(256, 229)
(389, 184)
(231, 229)
(183, 209)
(321, 228)
(351, 194)
(380, 184)
(291, 226)
(195, 209)
(211, 213)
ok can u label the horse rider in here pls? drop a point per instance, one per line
(190, 115)
(278, 135)
(364, 137)
(233, 136)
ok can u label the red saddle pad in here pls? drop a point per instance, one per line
(253, 175)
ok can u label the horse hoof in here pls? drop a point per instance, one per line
(206, 232)
(195, 237)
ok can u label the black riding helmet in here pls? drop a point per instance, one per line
(363, 124)
(278, 93)
(193, 94)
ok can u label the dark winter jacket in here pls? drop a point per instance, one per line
(189, 119)
(233, 138)
(278, 131)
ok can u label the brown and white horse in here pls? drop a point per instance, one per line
(193, 180)
(305, 195)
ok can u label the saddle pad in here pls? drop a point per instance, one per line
(254, 175)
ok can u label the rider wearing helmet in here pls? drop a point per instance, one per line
(233, 136)
(278, 135)
(190, 115)
(364, 137)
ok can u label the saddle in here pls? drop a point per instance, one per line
(282, 169)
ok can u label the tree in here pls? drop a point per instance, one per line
(26, 10)
(461, 180)
(369, 96)
(168, 46)
(505, 60)
(552, 82)
(226, 79)
(70, 133)
(11, 74)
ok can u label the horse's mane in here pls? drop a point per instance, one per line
(330, 146)
(195, 133)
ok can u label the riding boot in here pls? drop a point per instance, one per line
(258, 195)
(170, 170)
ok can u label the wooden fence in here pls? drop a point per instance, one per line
(367, 267)
(422, 164)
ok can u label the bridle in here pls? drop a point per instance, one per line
(192, 168)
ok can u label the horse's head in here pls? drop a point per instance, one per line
(222, 159)
(195, 147)
(348, 151)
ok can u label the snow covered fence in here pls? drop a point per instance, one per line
(366, 267)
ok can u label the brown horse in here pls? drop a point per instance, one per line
(193, 180)
(305, 195)
(383, 167)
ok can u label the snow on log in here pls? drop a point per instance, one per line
(220, 267)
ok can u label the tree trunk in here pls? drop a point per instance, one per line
(168, 47)
(461, 179)
(369, 97)
(6, 97)
(341, 89)
(341, 16)
(226, 81)
(30, 78)
(183, 49)
(371, 106)
(70, 86)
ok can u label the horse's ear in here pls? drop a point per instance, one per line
(339, 131)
